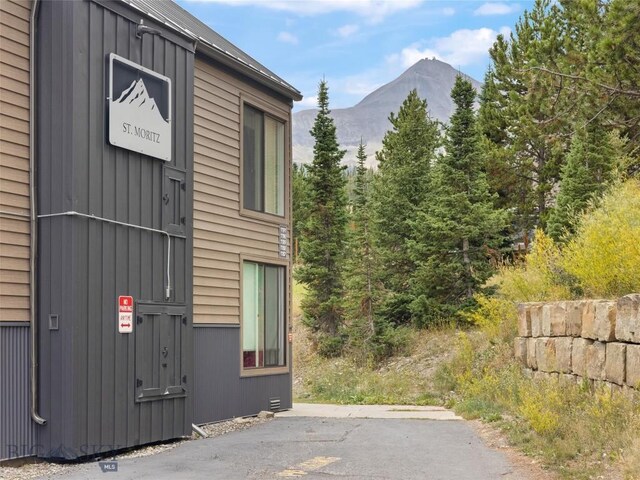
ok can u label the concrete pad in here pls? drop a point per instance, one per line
(369, 411)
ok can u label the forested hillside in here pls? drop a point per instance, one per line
(557, 127)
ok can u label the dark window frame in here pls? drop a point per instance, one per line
(283, 118)
(285, 298)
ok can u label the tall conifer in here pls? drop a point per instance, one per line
(399, 191)
(362, 290)
(458, 226)
(325, 231)
(585, 176)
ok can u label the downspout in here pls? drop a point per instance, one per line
(33, 243)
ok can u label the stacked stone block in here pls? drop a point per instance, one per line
(594, 339)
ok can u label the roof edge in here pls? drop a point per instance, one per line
(214, 52)
(218, 55)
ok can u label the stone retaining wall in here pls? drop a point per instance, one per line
(594, 339)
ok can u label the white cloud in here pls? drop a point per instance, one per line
(309, 101)
(448, 11)
(460, 48)
(347, 30)
(373, 10)
(493, 8)
(287, 37)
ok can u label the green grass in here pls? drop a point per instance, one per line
(342, 381)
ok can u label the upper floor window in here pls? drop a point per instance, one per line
(263, 162)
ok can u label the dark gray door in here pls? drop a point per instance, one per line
(161, 332)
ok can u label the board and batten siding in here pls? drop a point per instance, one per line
(221, 234)
(14, 160)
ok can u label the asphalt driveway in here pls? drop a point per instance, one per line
(327, 442)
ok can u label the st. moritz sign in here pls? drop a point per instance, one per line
(139, 108)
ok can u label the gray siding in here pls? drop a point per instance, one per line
(17, 436)
(87, 369)
(220, 392)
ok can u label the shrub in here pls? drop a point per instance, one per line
(496, 317)
(330, 346)
(604, 256)
(537, 279)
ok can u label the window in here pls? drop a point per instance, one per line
(263, 315)
(263, 162)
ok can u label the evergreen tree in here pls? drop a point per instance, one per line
(525, 116)
(324, 234)
(458, 225)
(301, 204)
(362, 291)
(568, 65)
(586, 174)
(399, 190)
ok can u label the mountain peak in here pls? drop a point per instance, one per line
(368, 119)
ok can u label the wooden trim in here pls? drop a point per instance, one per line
(254, 372)
(269, 110)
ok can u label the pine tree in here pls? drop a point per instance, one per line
(525, 115)
(301, 204)
(324, 235)
(458, 225)
(567, 65)
(399, 190)
(362, 290)
(585, 176)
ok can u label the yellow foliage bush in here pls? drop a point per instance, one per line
(602, 260)
(604, 256)
(540, 406)
(496, 317)
(537, 279)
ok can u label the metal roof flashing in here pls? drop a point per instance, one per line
(211, 44)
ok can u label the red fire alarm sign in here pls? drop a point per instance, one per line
(125, 314)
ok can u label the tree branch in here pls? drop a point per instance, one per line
(628, 93)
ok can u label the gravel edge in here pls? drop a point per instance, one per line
(35, 468)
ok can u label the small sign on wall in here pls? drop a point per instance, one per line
(139, 108)
(125, 314)
(283, 240)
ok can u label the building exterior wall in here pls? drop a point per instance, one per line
(221, 232)
(224, 235)
(88, 370)
(14, 160)
(17, 432)
(220, 392)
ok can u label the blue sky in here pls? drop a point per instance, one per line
(357, 45)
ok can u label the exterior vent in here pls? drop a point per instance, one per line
(274, 404)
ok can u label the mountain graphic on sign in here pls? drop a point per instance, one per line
(136, 122)
(137, 101)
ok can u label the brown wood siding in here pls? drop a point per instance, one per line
(14, 159)
(221, 234)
